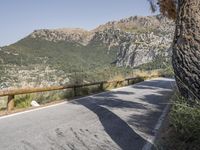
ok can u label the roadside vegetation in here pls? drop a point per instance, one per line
(183, 131)
(24, 101)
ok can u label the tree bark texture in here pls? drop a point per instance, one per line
(186, 49)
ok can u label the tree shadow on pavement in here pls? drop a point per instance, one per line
(155, 84)
(121, 131)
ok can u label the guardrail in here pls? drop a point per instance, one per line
(12, 92)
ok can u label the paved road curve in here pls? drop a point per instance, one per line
(124, 118)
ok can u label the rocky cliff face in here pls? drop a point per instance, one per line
(139, 40)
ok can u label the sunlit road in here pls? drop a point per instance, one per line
(125, 118)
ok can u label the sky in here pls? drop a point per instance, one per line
(18, 18)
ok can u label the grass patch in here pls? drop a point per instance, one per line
(184, 126)
(3, 103)
(148, 74)
(24, 101)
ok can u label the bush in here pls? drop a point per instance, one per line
(185, 125)
(186, 120)
(24, 101)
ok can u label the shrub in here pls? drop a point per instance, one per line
(184, 131)
(23, 101)
(186, 121)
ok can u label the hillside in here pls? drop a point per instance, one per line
(58, 53)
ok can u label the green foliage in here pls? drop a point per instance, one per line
(167, 72)
(69, 57)
(75, 61)
(160, 62)
(3, 103)
(185, 120)
(23, 101)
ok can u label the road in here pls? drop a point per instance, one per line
(123, 119)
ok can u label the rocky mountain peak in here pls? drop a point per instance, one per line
(64, 34)
(138, 24)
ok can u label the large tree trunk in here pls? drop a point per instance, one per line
(186, 49)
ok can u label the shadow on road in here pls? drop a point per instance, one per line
(155, 84)
(121, 131)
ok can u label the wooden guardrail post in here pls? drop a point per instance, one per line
(10, 103)
(101, 86)
(128, 81)
(75, 92)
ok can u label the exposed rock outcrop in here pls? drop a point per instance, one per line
(138, 39)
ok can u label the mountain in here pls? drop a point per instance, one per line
(129, 42)
(140, 39)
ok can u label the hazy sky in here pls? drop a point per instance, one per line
(21, 17)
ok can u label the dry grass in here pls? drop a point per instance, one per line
(147, 74)
(113, 85)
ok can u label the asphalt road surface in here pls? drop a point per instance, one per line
(122, 119)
